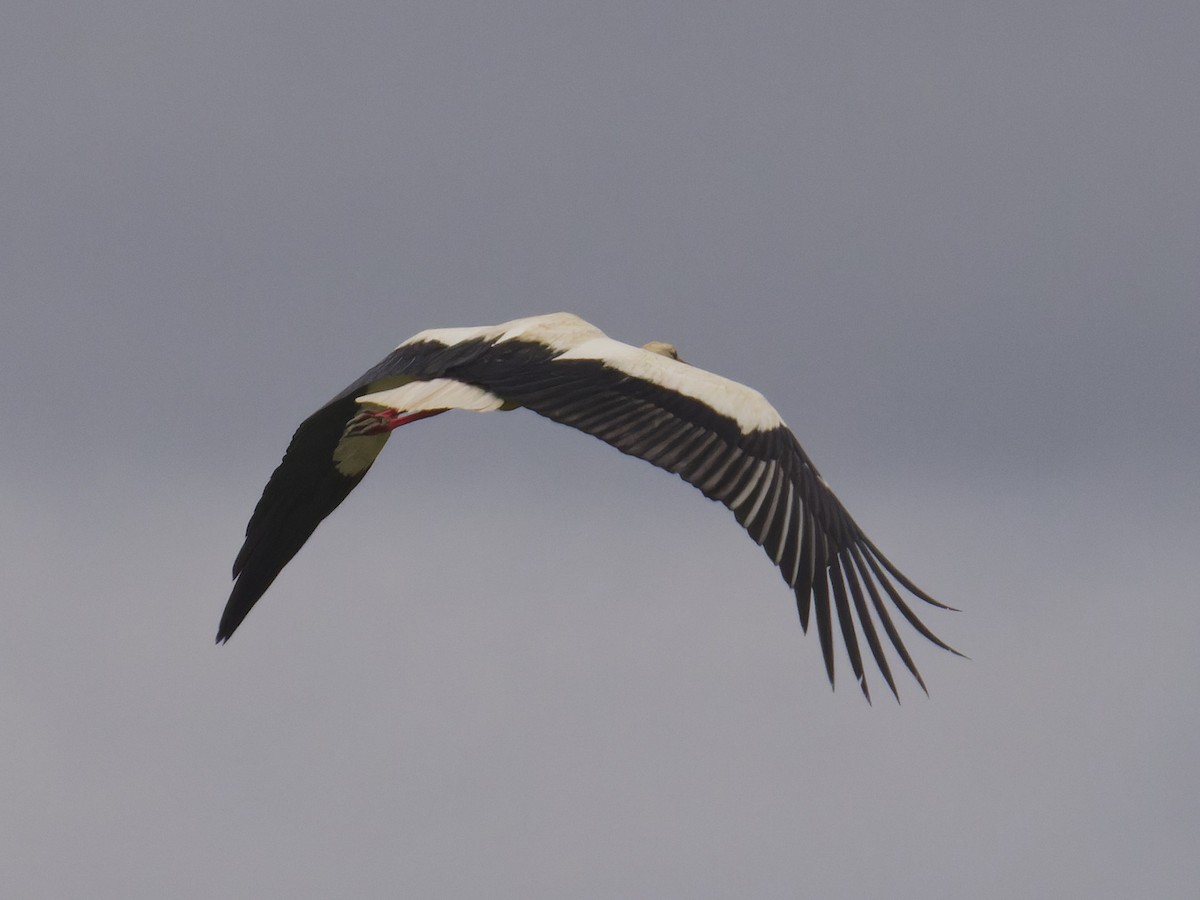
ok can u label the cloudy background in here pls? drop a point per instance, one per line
(958, 245)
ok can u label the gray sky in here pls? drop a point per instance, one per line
(955, 244)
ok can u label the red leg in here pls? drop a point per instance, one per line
(379, 421)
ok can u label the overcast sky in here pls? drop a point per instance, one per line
(956, 244)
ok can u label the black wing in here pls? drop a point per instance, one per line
(308, 485)
(764, 477)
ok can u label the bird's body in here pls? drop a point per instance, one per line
(720, 436)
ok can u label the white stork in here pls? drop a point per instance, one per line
(719, 436)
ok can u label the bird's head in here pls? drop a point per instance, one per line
(662, 348)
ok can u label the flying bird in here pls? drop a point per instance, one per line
(720, 436)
